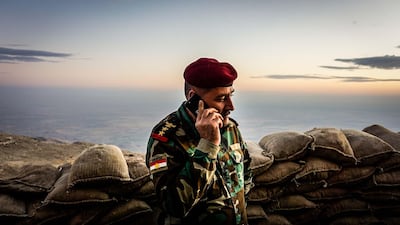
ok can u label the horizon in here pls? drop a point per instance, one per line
(288, 47)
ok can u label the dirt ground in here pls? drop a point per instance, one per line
(17, 151)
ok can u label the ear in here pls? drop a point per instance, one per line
(190, 93)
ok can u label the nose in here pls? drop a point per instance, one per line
(229, 104)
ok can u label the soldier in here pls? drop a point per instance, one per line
(196, 155)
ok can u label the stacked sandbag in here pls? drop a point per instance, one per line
(102, 186)
(326, 176)
(22, 189)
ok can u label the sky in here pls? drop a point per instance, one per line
(339, 47)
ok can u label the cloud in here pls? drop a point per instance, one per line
(341, 67)
(359, 79)
(381, 62)
(12, 55)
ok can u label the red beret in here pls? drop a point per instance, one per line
(209, 73)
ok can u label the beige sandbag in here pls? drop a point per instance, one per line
(62, 195)
(317, 169)
(99, 164)
(286, 145)
(332, 144)
(261, 160)
(11, 206)
(385, 134)
(131, 210)
(367, 148)
(138, 170)
(278, 173)
(351, 175)
(31, 178)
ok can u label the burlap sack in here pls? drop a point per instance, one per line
(344, 206)
(99, 164)
(286, 145)
(12, 207)
(261, 194)
(385, 134)
(317, 169)
(294, 187)
(130, 211)
(274, 219)
(256, 212)
(387, 194)
(391, 178)
(331, 144)
(349, 176)
(325, 194)
(356, 220)
(62, 195)
(391, 163)
(261, 160)
(367, 148)
(291, 203)
(278, 173)
(31, 179)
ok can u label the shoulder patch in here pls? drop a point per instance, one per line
(167, 126)
(158, 163)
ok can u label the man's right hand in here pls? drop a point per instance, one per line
(208, 123)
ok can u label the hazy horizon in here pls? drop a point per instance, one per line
(306, 46)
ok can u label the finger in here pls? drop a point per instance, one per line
(200, 108)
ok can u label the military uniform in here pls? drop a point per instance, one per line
(196, 181)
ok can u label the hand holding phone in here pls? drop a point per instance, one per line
(208, 120)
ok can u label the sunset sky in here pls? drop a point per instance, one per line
(336, 47)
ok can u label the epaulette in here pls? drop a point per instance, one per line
(165, 128)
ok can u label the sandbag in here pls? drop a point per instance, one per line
(261, 160)
(351, 175)
(368, 149)
(332, 144)
(262, 194)
(316, 169)
(287, 145)
(31, 179)
(12, 207)
(99, 164)
(385, 134)
(63, 195)
(129, 211)
(278, 173)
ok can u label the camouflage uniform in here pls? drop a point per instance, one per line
(196, 181)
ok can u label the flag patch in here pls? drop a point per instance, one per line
(159, 164)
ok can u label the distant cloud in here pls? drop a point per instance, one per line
(381, 62)
(319, 77)
(12, 55)
(341, 67)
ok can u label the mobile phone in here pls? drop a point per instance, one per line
(193, 104)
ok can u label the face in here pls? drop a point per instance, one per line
(220, 98)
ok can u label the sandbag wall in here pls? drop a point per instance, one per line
(104, 185)
(326, 176)
(322, 176)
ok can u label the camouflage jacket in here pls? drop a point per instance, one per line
(195, 179)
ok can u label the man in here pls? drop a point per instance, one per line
(198, 160)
